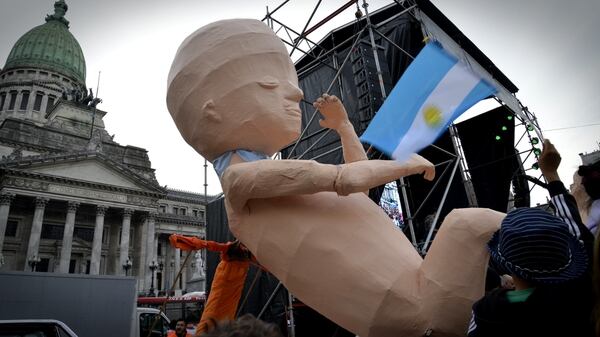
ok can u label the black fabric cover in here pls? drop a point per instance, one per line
(491, 162)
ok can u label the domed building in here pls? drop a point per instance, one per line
(45, 64)
(72, 200)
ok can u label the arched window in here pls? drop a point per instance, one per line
(24, 100)
(37, 104)
(12, 101)
(2, 99)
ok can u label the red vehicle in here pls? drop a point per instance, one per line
(188, 305)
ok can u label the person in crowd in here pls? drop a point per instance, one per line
(586, 190)
(227, 286)
(245, 326)
(549, 258)
(180, 330)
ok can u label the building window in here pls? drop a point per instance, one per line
(50, 102)
(105, 234)
(37, 104)
(175, 210)
(84, 233)
(11, 228)
(159, 250)
(24, 100)
(202, 214)
(195, 213)
(2, 99)
(72, 265)
(52, 232)
(182, 211)
(12, 101)
(163, 209)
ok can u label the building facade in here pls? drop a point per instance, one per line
(72, 200)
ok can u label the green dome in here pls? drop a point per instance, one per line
(50, 46)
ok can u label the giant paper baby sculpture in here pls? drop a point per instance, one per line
(233, 93)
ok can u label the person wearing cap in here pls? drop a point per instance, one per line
(585, 202)
(549, 258)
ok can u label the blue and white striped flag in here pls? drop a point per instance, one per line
(433, 91)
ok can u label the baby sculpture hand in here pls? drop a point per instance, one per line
(334, 112)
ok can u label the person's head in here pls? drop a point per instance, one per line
(537, 247)
(232, 85)
(245, 326)
(589, 176)
(180, 326)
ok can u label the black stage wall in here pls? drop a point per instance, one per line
(491, 161)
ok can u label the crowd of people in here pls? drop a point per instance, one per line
(549, 260)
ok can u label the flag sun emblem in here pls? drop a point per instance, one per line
(432, 116)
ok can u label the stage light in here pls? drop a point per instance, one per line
(537, 151)
(498, 137)
(504, 128)
(509, 117)
(535, 166)
(535, 140)
(529, 127)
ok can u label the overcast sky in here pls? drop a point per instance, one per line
(549, 48)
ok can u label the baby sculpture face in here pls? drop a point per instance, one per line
(233, 86)
(263, 102)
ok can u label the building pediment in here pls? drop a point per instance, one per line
(86, 167)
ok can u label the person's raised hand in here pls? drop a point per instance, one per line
(549, 161)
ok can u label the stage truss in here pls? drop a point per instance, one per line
(528, 135)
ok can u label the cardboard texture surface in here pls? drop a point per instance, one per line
(232, 86)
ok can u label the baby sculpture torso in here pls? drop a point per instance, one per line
(232, 86)
(315, 244)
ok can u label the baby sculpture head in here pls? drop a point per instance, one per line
(233, 86)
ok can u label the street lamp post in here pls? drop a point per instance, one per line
(160, 268)
(153, 267)
(33, 262)
(127, 265)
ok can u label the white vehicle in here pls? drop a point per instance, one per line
(146, 317)
(35, 327)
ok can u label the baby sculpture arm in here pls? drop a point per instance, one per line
(274, 178)
(336, 118)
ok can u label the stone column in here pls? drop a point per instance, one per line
(67, 243)
(176, 269)
(150, 252)
(142, 268)
(169, 266)
(5, 200)
(124, 248)
(36, 230)
(97, 243)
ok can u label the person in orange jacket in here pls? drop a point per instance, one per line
(180, 330)
(228, 283)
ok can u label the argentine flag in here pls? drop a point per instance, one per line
(433, 91)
